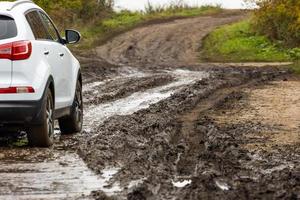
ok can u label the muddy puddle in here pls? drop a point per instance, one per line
(97, 114)
(122, 73)
(66, 177)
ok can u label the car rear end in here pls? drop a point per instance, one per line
(21, 88)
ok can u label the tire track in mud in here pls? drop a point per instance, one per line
(114, 89)
(97, 114)
(144, 143)
(240, 159)
(196, 139)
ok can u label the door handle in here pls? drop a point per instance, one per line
(61, 54)
(46, 52)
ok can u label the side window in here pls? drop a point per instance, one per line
(50, 27)
(37, 26)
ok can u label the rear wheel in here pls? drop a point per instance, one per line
(42, 135)
(73, 123)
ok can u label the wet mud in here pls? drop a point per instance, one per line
(159, 125)
(166, 148)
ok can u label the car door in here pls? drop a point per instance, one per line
(45, 50)
(61, 66)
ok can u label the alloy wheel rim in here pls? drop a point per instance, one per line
(78, 106)
(49, 116)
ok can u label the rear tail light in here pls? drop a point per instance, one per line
(20, 50)
(16, 90)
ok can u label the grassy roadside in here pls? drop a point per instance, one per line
(99, 32)
(238, 43)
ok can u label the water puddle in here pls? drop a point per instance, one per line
(222, 185)
(124, 72)
(67, 177)
(181, 184)
(135, 183)
(97, 114)
(90, 86)
(278, 168)
(107, 175)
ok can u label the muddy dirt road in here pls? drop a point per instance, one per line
(159, 125)
(171, 44)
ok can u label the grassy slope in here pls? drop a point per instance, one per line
(237, 43)
(119, 22)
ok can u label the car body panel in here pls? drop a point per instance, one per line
(5, 73)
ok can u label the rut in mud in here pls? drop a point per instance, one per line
(158, 125)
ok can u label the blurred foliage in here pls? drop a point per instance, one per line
(279, 20)
(70, 12)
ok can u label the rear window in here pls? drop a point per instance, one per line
(8, 28)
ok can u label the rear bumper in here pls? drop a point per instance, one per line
(20, 113)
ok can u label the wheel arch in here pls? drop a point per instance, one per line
(50, 85)
(79, 77)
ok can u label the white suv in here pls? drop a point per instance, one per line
(40, 79)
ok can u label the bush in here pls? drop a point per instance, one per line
(279, 20)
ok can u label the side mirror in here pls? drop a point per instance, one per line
(72, 36)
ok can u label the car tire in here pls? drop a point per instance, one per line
(73, 123)
(42, 135)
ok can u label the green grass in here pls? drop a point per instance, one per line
(102, 30)
(238, 43)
